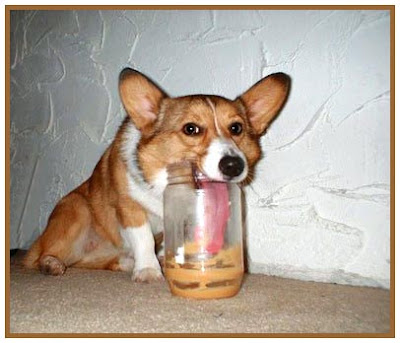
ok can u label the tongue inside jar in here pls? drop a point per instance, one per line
(216, 214)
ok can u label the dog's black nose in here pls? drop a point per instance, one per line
(231, 166)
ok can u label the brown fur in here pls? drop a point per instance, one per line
(82, 230)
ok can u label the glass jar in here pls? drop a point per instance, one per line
(203, 235)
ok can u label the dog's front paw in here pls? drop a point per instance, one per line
(147, 275)
(51, 265)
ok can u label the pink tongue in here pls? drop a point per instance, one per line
(216, 212)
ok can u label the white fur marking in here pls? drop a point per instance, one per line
(148, 195)
(145, 196)
(219, 148)
(140, 242)
(210, 103)
(160, 181)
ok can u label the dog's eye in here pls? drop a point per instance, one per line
(236, 128)
(191, 129)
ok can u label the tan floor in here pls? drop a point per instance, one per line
(84, 301)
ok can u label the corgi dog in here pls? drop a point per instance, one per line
(109, 221)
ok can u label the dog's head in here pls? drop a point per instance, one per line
(219, 135)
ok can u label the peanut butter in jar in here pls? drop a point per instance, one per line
(203, 235)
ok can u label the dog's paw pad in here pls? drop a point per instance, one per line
(147, 275)
(51, 265)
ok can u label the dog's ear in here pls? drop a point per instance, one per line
(264, 100)
(140, 97)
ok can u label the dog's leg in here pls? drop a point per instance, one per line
(100, 253)
(55, 250)
(141, 242)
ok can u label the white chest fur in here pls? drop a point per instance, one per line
(149, 195)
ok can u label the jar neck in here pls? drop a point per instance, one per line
(182, 172)
(185, 172)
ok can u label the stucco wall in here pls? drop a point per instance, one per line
(318, 208)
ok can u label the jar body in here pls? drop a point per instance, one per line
(203, 239)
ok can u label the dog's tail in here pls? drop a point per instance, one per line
(31, 259)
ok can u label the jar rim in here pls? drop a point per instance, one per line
(187, 172)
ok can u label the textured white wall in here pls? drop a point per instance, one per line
(318, 208)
